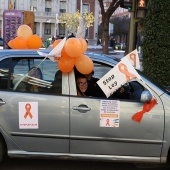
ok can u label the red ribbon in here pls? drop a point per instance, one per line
(146, 108)
(28, 108)
(123, 69)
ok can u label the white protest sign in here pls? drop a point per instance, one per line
(133, 57)
(55, 53)
(118, 76)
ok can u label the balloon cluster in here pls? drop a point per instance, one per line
(25, 39)
(72, 55)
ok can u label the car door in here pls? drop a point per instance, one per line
(91, 134)
(36, 110)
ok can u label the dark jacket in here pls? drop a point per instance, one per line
(93, 88)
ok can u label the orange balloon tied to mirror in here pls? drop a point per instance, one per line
(34, 42)
(66, 64)
(84, 44)
(84, 64)
(19, 43)
(56, 42)
(24, 31)
(73, 47)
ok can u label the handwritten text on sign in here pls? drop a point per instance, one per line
(118, 76)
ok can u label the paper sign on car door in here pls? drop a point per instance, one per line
(109, 113)
(28, 115)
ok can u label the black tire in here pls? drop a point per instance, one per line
(2, 149)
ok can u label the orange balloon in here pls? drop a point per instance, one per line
(66, 64)
(11, 44)
(19, 43)
(56, 42)
(34, 42)
(73, 47)
(24, 31)
(84, 64)
(84, 44)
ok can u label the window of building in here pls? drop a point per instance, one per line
(61, 29)
(47, 9)
(35, 26)
(86, 8)
(62, 6)
(47, 29)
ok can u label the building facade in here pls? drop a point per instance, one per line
(46, 12)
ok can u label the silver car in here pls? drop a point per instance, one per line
(42, 116)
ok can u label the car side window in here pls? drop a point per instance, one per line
(31, 76)
(4, 74)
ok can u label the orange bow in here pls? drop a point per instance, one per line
(146, 108)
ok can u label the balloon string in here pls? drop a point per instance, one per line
(41, 62)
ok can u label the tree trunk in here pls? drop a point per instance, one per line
(105, 34)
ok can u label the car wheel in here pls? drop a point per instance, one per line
(2, 149)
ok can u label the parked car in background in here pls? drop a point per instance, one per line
(42, 116)
(1, 41)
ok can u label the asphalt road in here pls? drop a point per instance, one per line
(48, 164)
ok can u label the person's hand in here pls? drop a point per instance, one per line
(122, 90)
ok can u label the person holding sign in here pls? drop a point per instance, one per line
(93, 88)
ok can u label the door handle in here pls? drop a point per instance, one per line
(81, 108)
(2, 102)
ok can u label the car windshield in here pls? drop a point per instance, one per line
(165, 89)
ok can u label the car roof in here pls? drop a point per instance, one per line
(19, 53)
(9, 52)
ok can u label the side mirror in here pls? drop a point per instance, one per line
(146, 96)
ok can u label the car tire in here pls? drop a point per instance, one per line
(2, 149)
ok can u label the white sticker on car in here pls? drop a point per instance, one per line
(109, 113)
(28, 115)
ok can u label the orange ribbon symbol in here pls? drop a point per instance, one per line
(107, 122)
(28, 108)
(123, 69)
(146, 108)
(133, 58)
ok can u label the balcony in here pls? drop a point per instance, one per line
(45, 14)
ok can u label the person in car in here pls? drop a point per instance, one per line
(93, 88)
(95, 91)
(82, 85)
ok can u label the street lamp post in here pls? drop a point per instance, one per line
(56, 25)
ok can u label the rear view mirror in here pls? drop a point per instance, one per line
(146, 96)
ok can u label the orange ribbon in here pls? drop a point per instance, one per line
(107, 122)
(28, 108)
(133, 58)
(146, 108)
(123, 69)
